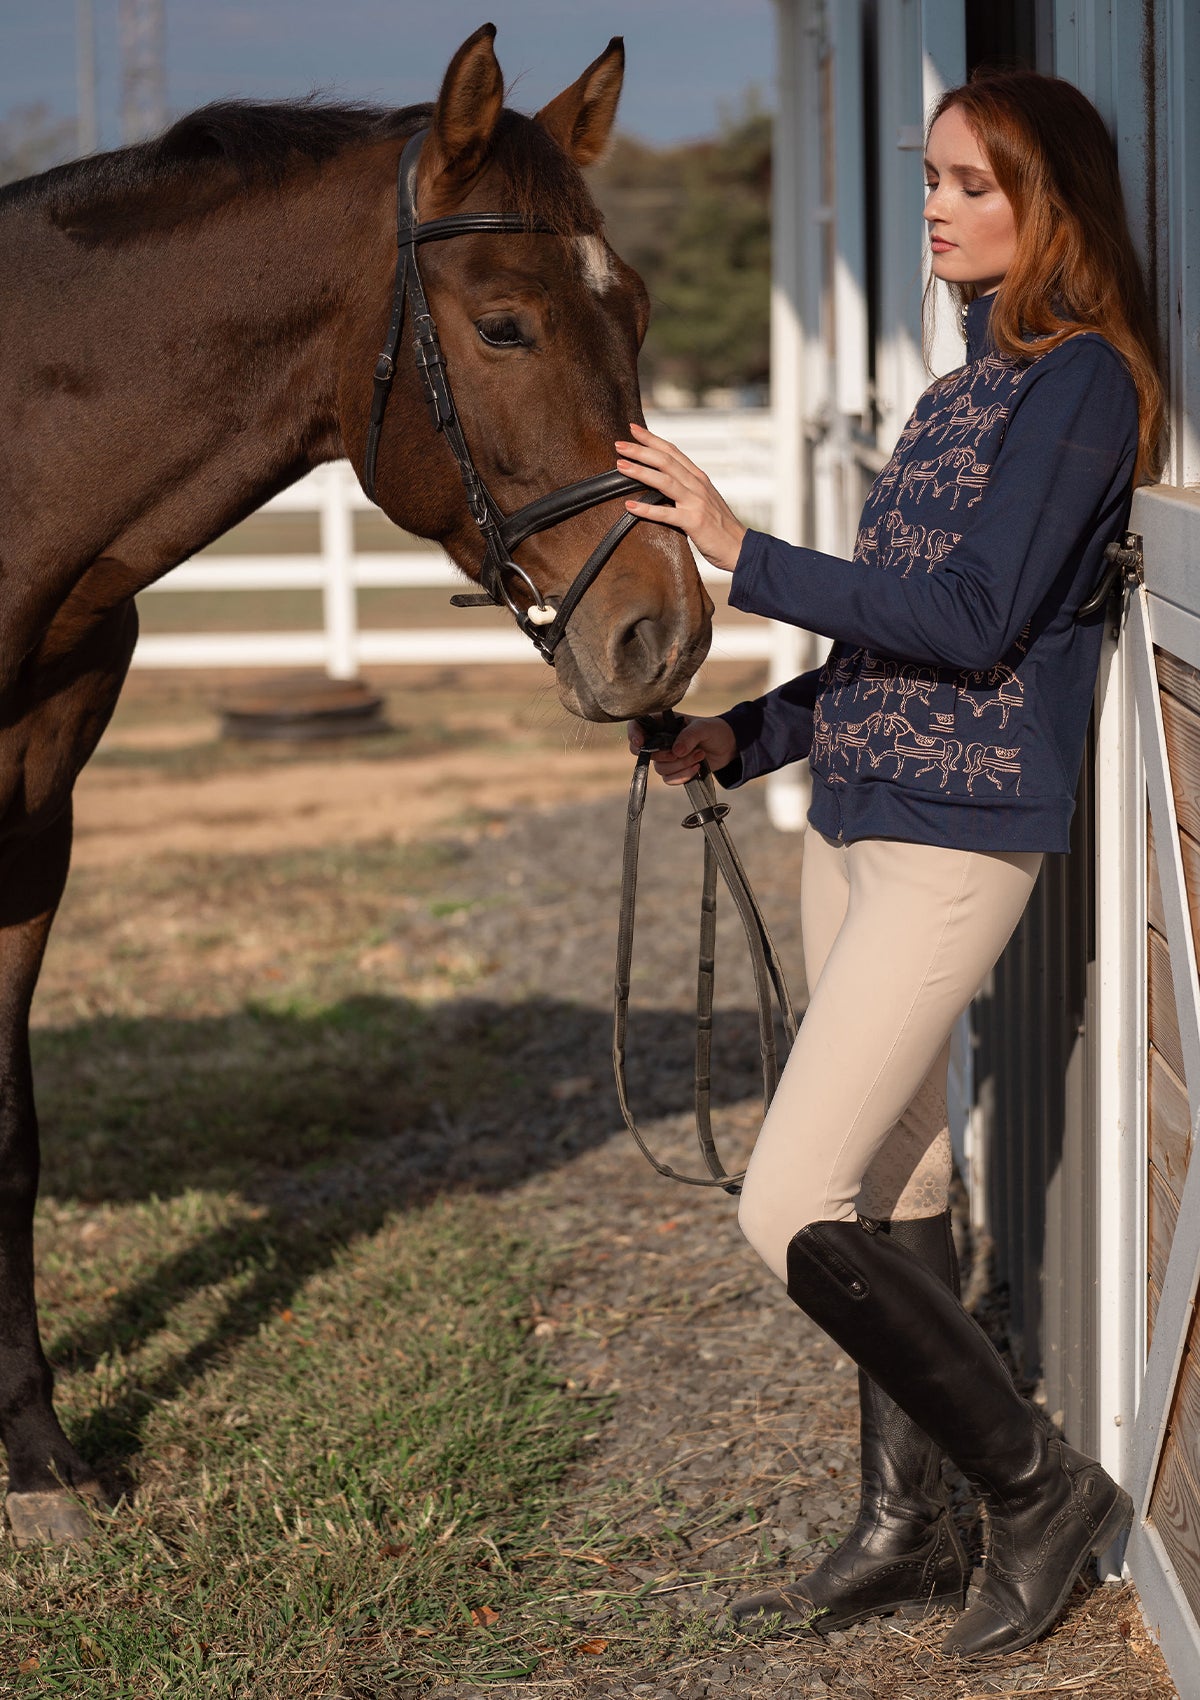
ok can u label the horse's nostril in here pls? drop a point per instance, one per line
(644, 644)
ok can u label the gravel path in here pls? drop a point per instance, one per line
(730, 1451)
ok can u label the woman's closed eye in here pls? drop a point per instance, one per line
(972, 194)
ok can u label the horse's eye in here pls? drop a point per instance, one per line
(500, 333)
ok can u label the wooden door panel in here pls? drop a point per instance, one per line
(1168, 1121)
(1175, 1513)
(1162, 1208)
(1163, 1015)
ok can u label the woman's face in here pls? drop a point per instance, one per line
(972, 231)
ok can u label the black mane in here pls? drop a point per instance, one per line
(235, 145)
(257, 141)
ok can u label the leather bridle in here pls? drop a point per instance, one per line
(543, 623)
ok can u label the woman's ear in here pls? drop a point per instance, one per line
(468, 106)
(581, 118)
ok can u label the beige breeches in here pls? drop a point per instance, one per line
(898, 939)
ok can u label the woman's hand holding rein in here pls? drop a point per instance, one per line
(700, 740)
(699, 510)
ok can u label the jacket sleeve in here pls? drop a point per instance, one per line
(1071, 442)
(771, 731)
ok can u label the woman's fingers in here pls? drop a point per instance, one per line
(680, 472)
(691, 737)
(675, 772)
(652, 454)
(698, 509)
(644, 439)
(658, 478)
(656, 513)
(646, 442)
(649, 450)
(672, 480)
(688, 509)
(701, 739)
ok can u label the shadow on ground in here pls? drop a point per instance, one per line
(324, 1126)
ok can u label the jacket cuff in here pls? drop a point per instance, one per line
(744, 720)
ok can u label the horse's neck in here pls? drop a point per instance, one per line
(203, 365)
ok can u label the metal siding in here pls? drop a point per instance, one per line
(1030, 1035)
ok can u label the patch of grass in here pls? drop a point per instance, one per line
(148, 1105)
(444, 906)
(141, 941)
(287, 1327)
(343, 1455)
(289, 1324)
(351, 1491)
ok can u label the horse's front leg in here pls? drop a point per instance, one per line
(45, 1473)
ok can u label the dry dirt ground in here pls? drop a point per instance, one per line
(728, 1441)
(452, 753)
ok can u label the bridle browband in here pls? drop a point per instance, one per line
(542, 623)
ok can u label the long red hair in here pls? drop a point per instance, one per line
(1074, 268)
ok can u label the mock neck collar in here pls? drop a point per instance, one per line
(975, 326)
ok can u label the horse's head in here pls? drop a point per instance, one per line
(541, 335)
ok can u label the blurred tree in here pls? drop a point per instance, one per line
(32, 139)
(695, 222)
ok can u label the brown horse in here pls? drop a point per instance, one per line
(190, 325)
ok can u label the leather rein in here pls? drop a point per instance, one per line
(770, 987)
(543, 622)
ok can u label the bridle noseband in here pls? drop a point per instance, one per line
(543, 624)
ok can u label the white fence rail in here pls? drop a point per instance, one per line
(735, 447)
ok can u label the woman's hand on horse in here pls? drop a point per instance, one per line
(700, 740)
(699, 510)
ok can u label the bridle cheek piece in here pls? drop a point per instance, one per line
(541, 622)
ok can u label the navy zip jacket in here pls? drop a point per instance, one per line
(954, 704)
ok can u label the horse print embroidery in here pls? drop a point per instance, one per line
(909, 544)
(926, 725)
(1007, 694)
(889, 678)
(988, 761)
(884, 738)
(929, 755)
(890, 745)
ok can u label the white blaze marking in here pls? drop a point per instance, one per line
(597, 268)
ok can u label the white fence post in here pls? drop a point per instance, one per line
(340, 593)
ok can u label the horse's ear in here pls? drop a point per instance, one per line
(468, 104)
(581, 118)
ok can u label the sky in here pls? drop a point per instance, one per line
(686, 59)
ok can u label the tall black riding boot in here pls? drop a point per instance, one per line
(903, 1551)
(1049, 1507)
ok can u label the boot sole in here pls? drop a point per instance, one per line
(828, 1623)
(911, 1610)
(1118, 1519)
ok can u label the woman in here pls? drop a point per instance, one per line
(945, 733)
